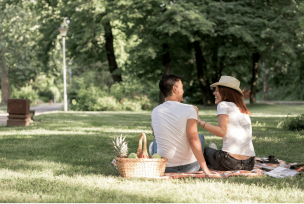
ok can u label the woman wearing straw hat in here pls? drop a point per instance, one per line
(234, 126)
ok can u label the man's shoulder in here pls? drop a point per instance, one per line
(172, 105)
(157, 108)
(180, 108)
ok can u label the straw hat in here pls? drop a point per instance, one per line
(229, 82)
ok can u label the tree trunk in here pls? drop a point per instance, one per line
(265, 84)
(166, 63)
(202, 78)
(5, 85)
(255, 72)
(110, 52)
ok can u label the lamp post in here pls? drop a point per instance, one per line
(63, 31)
(70, 66)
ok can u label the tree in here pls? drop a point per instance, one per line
(165, 31)
(17, 34)
(90, 39)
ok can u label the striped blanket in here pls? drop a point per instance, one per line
(258, 170)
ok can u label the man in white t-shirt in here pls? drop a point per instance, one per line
(175, 129)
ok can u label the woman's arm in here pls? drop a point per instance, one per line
(219, 130)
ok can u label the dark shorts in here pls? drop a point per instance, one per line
(222, 161)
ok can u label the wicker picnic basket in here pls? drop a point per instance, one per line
(144, 166)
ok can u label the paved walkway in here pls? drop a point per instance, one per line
(40, 109)
(283, 102)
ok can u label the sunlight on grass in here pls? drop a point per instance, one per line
(18, 167)
(59, 161)
(112, 129)
(44, 132)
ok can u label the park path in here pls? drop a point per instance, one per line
(283, 102)
(39, 109)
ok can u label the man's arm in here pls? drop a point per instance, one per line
(195, 144)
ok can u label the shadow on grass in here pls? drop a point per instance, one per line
(85, 149)
(84, 144)
(58, 191)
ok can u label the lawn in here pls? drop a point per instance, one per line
(65, 157)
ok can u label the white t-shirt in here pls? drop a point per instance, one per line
(238, 139)
(169, 123)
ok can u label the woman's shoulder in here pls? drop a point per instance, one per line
(226, 104)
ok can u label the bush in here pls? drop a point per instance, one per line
(46, 95)
(144, 101)
(130, 105)
(292, 123)
(26, 92)
(95, 99)
(47, 89)
(86, 99)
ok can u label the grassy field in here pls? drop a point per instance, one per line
(65, 157)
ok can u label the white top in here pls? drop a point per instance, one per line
(238, 139)
(169, 123)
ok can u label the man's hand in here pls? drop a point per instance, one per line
(195, 144)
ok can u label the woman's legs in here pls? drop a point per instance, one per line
(213, 159)
(222, 161)
(232, 163)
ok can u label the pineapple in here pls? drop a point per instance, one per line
(120, 147)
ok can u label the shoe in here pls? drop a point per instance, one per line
(150, 149)
(213, 146)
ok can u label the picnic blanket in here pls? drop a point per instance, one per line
(258, 170)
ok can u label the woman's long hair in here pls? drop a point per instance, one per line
(234, 96)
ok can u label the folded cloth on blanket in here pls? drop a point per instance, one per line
(281, 172)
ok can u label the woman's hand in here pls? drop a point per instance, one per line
(198, 118)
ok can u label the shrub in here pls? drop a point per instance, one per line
(94, 99)
(129, 105)
(87, 99)
(26, 92)
(292, 123)
(144, 101)
(46, 95)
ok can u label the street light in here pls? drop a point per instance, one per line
(70, 65)
(63, 31)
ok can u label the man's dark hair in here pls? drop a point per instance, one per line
(167, 82)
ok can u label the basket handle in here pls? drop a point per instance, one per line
(142, 153)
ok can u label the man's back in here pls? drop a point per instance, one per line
(169, 122)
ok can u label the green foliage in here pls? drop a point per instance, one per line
(144, 31)
(292, 123)
(95, 99)
(46, 87)
(18, 35)
(25, 92)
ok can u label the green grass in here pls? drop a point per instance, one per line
(65, 157)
